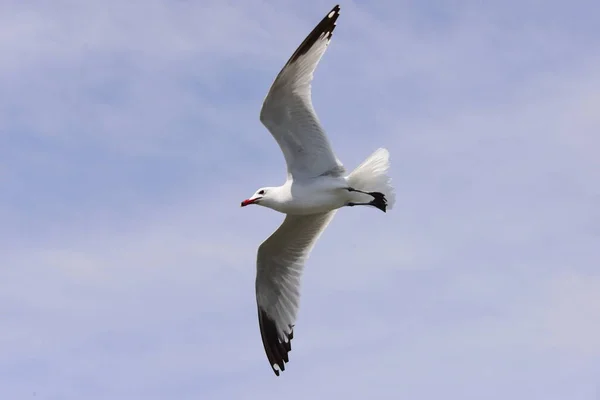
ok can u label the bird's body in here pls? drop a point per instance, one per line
(317, 185)
(310, 196)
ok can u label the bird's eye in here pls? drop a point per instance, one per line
(261, 192)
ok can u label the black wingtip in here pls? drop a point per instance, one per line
(325, 27)
(276, 349)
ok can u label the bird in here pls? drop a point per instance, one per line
(316, 187)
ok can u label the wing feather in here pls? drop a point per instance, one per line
(288, 112)
(279, 265)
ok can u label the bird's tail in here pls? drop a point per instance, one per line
(371, 176)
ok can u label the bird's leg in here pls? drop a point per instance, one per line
(373, 203)
(350, 189)
(378, 196)
(378, 201)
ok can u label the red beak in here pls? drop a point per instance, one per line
(247, 202)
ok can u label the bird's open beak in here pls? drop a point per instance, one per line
(248, 202)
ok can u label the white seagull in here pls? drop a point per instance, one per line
(315, 188)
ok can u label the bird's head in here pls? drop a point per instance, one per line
(260, 197)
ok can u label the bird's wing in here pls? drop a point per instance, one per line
(288, 112)
(279, 267)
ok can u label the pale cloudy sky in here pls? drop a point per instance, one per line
(129, 133)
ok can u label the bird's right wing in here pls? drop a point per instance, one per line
(279, 266)
(288, 111)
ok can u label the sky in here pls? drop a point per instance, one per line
(129, 134)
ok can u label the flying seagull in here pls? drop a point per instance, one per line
(316, 186)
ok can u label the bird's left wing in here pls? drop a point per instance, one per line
(288, 112)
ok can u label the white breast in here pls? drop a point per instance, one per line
(320, 195)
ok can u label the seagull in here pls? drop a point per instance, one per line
(316, 187)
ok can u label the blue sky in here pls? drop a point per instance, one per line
(129, 134)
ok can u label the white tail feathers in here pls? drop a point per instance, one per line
(371, 176)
